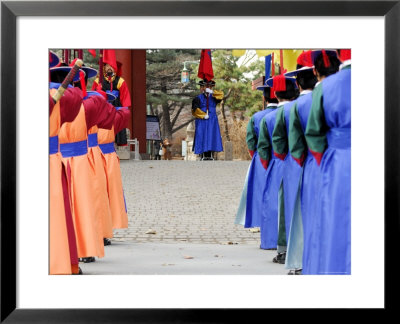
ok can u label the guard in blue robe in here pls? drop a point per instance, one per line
(328, 136)
(285, 90)
(207, 136)
(250, 206)
(292, 171)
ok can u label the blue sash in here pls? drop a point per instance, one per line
(92, 140)
(53, 144)
(339, 138)
(73, 149)
(107, 148)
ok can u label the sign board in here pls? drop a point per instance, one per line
(184, 148)
(153, 128)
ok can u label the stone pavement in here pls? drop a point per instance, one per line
(182, 258)
(190, 207)
(185, 201)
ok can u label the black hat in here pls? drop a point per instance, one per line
(202, 82)
(212, 83)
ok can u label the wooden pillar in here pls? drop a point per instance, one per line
(125, 58)
(138, 94)
(134, 73)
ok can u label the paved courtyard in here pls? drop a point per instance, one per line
(184, 201)
(187, 209)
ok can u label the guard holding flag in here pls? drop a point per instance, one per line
(207, 137)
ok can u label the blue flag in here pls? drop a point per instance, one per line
(268, 66)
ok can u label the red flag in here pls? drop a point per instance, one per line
(92, 51)
(109, 58)
(205, 68)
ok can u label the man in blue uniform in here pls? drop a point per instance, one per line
(207, 137)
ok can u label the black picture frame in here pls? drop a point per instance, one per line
(10, 10)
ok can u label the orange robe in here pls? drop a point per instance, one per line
(113, 171)
(62, 251)
(73, 146)
(102, 203)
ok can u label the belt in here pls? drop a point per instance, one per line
(107, 148)
(73, 149)
(92, 140)
(339, 138)
(53, 144)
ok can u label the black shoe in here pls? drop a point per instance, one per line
(107, 241)
(295, 272)
(87, 260)
(280, 258)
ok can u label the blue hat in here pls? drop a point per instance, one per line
(264, 86)
(316, 53)
(110, 96)
(278, 84)
(302, 69)
(66, 69)
(90, 72)
(54, 60)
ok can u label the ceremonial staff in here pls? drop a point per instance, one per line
(67, 80)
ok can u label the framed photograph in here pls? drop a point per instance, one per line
(30, 28)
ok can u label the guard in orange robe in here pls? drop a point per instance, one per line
(63, 258)
(63, 249)
(113, 171)
(102, 203)
(63, 252)
(74, 148)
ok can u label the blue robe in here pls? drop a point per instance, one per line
(269, 217)
(291, 178)
(207, 136)
(329, 125)
(256, 179)
(250, 205)
(304, 203)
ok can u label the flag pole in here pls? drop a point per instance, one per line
(281, 61)
(101, 67)
(272, 65)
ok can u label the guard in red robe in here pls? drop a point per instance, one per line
(113, 82)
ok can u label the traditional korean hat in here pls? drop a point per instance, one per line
(268, 92)
(65, 70)
(345, 54)
(325, 54)
(90, 72)
(211, 82)
(202, 82)
(54, 60)
(110, 58)
(304, 63)
(278, 82)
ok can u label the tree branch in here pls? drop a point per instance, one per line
(177, 114)
(228, 94)
(183, 125)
